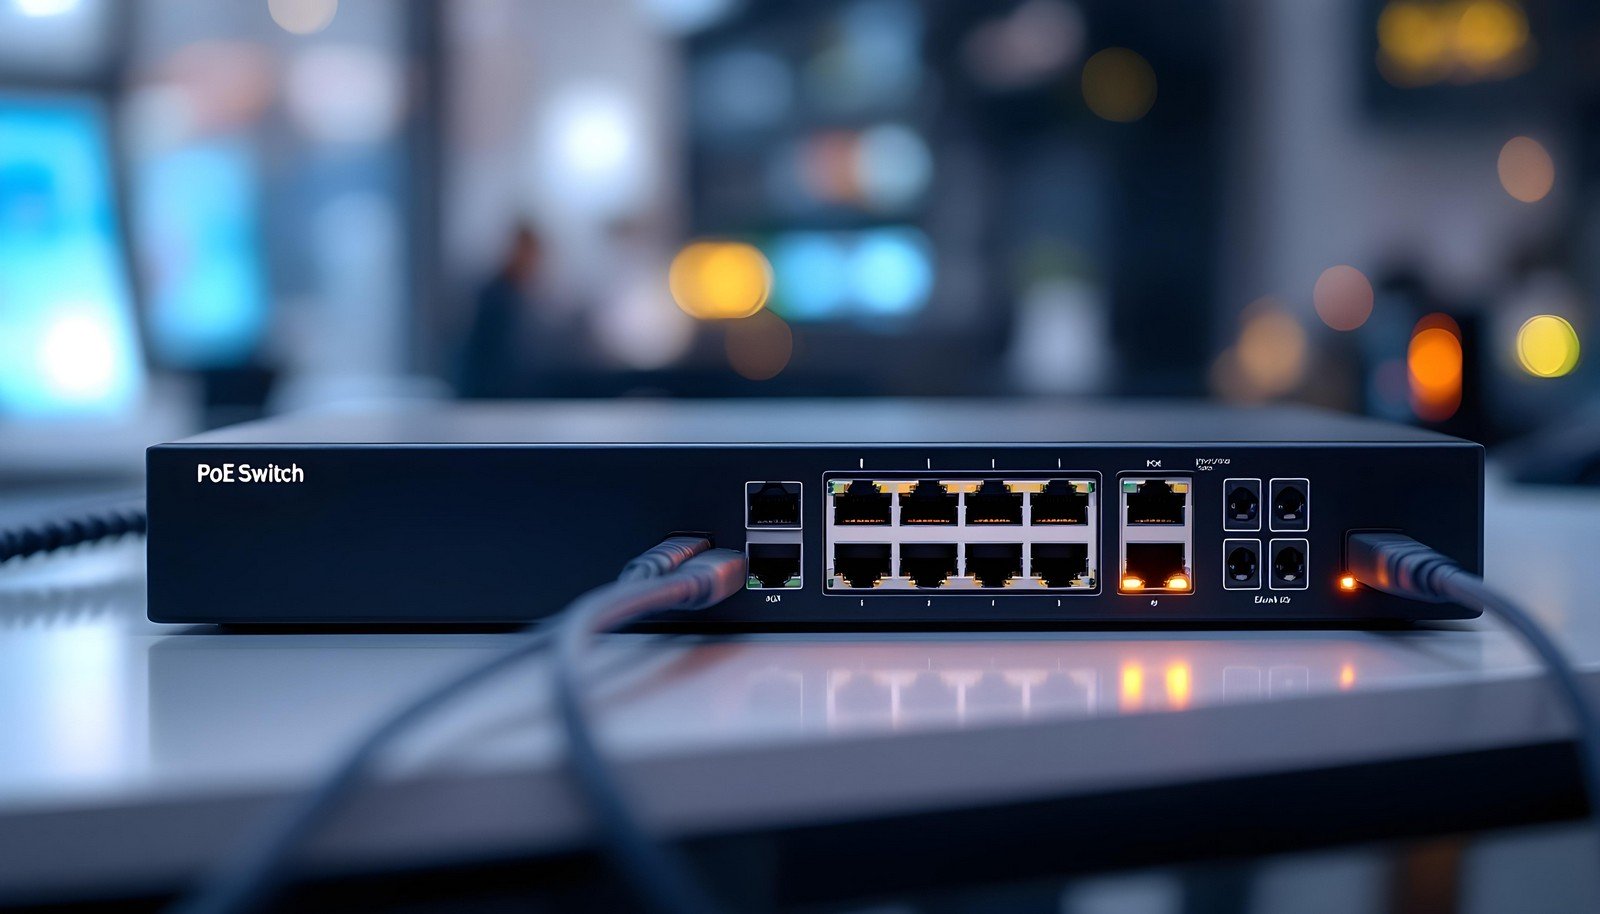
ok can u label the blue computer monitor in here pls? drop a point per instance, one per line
(69, 342)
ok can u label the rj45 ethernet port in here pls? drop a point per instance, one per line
(1241, 564)
(1062, 502)
(1156, 566)
(993, 502)
(1059, 564)
(991, 564)
(773, 565)
(860, 502)
(1156, 501)
(1291, 504)
(928, 564)
(1289, 564)
(861, 564)
(929, 502)
(772, 504)
(1241, 507)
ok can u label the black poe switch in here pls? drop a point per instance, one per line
(853, 515)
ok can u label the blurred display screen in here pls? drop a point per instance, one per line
(68, 340)
(206, 286)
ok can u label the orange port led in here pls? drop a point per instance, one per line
(1129, 582)
(1347, 582)
(1178, 582)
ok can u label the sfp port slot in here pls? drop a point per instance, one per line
(1156, 566)
(861, 564)
(929, 502)
(772, 504)
(1059, 564)
(993, 502)
(1148, 502)
(773, 565)
(928, 564)
(1062, 502)
(991, 564)
(860, 502)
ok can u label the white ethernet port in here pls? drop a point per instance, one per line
(978, 533)
(1157, 539)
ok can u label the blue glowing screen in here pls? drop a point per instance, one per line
(68, 338)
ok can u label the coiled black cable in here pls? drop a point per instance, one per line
(85, 524)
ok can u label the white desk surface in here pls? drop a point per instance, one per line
(103, 713)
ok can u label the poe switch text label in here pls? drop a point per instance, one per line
(246, 473)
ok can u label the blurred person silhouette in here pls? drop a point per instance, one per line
(492, 355)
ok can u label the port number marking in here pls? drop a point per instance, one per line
(774, 598)
(1152, 464)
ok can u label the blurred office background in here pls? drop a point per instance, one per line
(216, 210)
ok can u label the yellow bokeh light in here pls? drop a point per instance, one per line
(714, 280)
(1526, 169)
(1271, 350)
(1131, 695)
(1347, 677)
(1119, 85)
(1411, 36)
(1547, 346)
(1180, 685)
(1489, 32)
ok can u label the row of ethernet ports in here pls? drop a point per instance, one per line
(982, 566)
(936, 502)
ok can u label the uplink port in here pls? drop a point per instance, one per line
(1242, 511)
(861, 564)
(928, 564)
(1156, 566)
(1058, 564)
(1062, 502)
(1241, 565)
(1289, 565)
(994, 503)
(991, 564)
(772, 504)
(773, 565)
(861, 502)
(929, 502)
(1291, 505)
(1156, 501)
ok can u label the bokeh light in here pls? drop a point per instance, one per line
(303, 17)
(1421, 42)
(345, 93)
(892, 270)
(1119, 85)
(1526, 169)
(1271, 352)
(893, 166)
(40, 9)
(1343, 297)
(1547, 346)
(812, 276)
(1434, 368)
(760, 346)
(78, 358)
(714, 280)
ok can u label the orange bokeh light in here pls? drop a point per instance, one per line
(1433, 366)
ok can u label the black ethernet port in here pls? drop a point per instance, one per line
(1289, 565)
(1291, 504)
(1062, 502)
(1241, 565)
(1156, 566)
(861, 564)
(929, 502)
(1058, 564)
(1242, 510)
(928, 564)
(861, 502)
(994, 503)
(773, 565)
(991, 564)
(772, 504)
(1156, 501)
